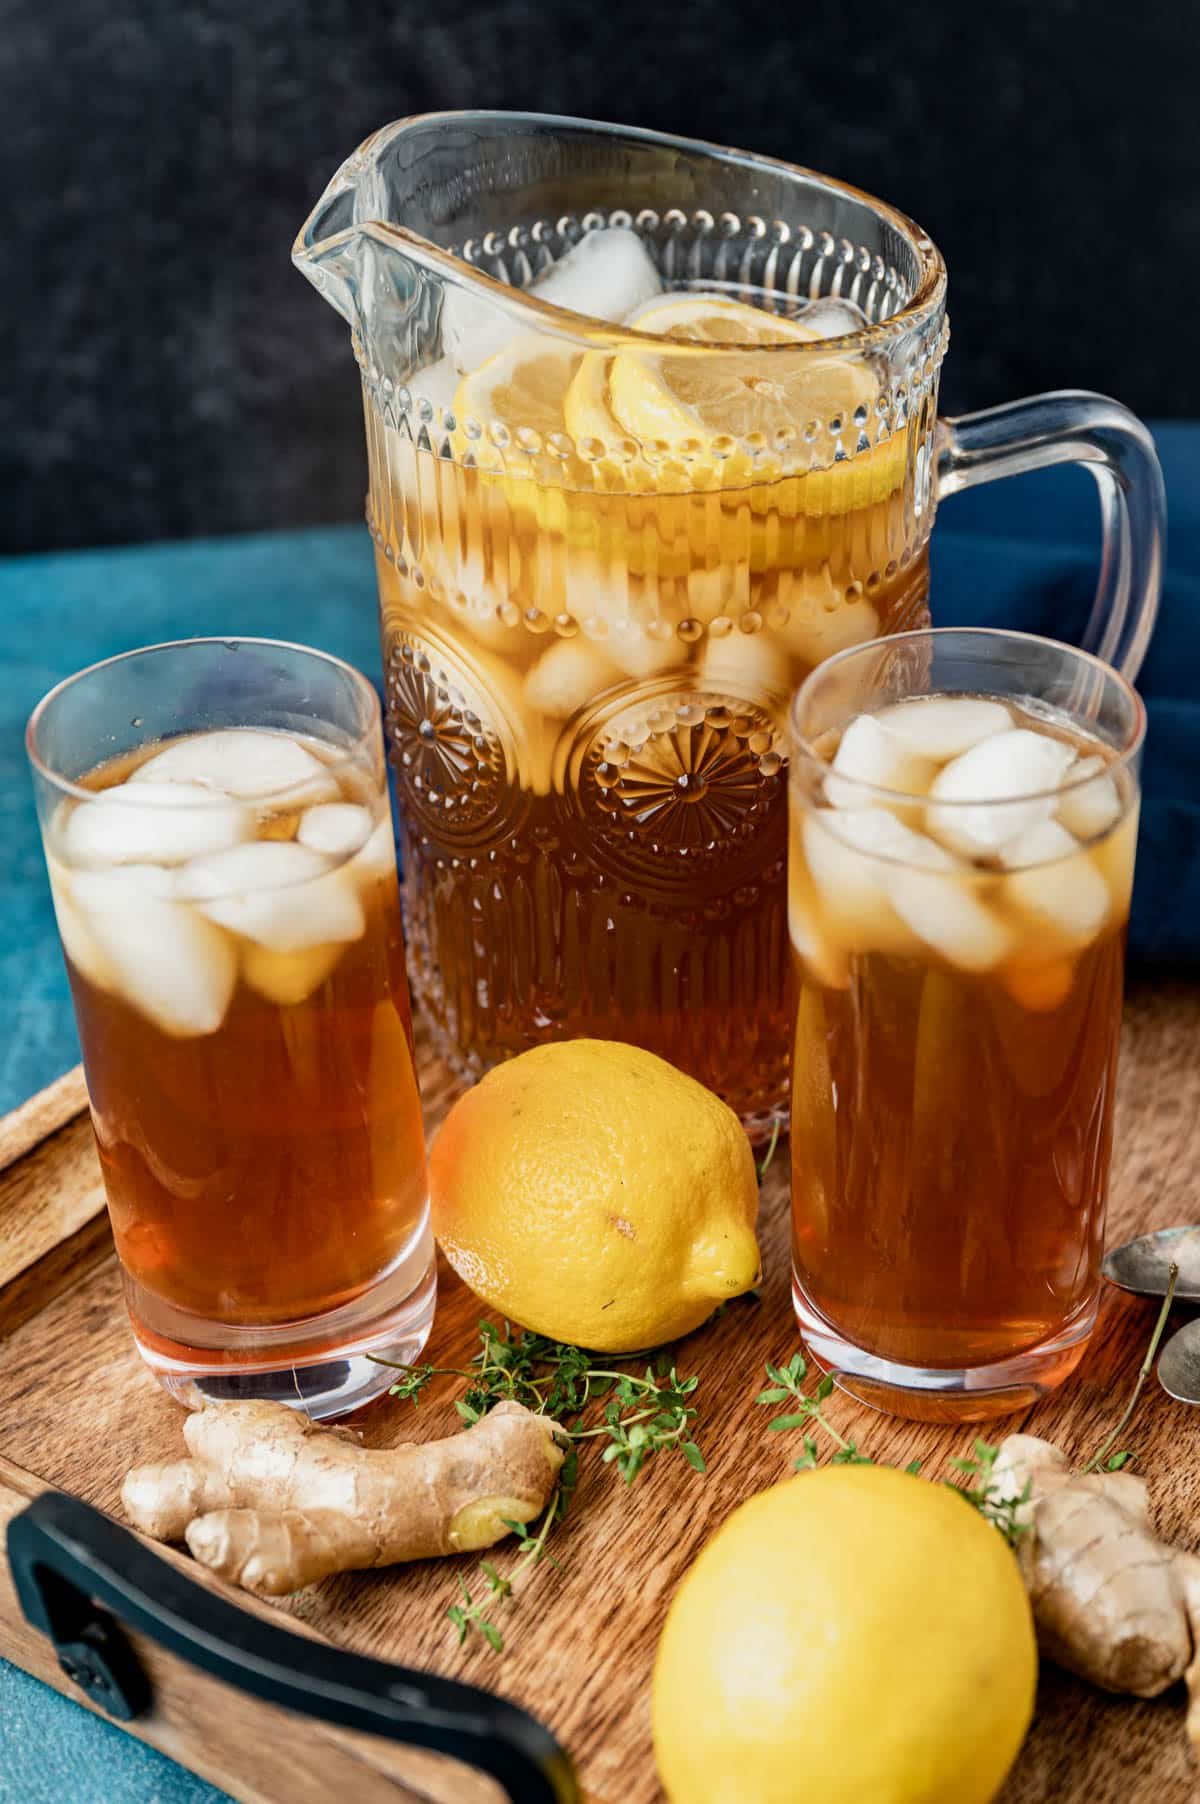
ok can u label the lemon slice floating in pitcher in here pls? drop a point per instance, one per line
(586, 412)
(710, 319)
(520, 389)
(655, 395)
(715, 319)
(695, 401)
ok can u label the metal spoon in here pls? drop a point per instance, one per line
(1179, 1367)
(1143, 1265)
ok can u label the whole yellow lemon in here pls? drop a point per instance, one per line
(593, 1193)
(855, 1635)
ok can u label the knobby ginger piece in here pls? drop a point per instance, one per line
(1110, 1600)
(273, 1501)
(1189, 1574)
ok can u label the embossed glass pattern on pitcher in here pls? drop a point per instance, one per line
(608, 553)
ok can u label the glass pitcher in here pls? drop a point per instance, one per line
(613, 533)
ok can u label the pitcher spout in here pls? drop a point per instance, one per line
(354, 250)
(381, 245)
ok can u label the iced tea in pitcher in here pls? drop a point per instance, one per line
(961, 870)
(588, 663)
(229, 911)
(651, 431)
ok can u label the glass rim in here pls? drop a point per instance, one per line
(66, 786)
(927, 296)
(804, 748)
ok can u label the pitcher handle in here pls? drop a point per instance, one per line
(1075, 426)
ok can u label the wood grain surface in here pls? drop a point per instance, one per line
(42, 1115)
(53, 1225)
(77, 1409)
(51, 1131)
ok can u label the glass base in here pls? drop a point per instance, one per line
(944, 1394)
(326, 1366)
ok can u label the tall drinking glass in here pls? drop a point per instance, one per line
(218, 834)
(964, 810)
(652, 429)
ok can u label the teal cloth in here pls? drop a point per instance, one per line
(1021, 553)
(61, 612)
(55, 1752)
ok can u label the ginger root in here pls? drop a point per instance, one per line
(273, 1501)
(1111, 1601)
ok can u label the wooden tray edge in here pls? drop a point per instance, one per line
(41, 1115)
(51, 1231)
(235, 1741)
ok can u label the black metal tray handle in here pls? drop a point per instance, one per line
(78, 1575)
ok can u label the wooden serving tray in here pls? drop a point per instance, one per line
(77, 1409)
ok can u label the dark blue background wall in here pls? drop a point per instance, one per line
(166, 372)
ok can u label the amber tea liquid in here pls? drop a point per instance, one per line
(957, 1020)
(240, 992)
(586, 676)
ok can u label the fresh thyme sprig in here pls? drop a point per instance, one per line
(473, 1613)
(787, 1383)
(1113, 1462)
(644, 1414)
(765, 1163)
(544, 1375)
(1003, 1509)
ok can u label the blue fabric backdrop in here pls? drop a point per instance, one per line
(1021, 553)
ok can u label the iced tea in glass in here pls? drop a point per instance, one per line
(963, 820)
(218, 836)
